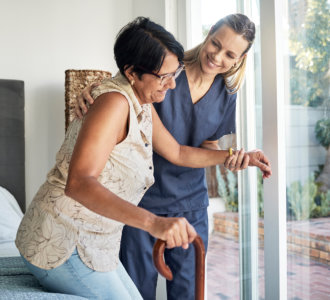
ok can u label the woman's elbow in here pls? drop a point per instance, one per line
(71, 187)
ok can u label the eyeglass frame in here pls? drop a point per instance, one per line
(166, 76)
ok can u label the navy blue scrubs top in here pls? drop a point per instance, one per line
(180, 189)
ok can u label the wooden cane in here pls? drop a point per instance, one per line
(164, 270)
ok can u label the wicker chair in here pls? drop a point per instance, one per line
(75, 82)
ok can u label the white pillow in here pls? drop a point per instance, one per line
(10, 216)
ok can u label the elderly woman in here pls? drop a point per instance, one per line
(70, 236)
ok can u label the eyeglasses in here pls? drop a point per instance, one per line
(165, 77)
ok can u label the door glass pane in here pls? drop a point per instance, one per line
(307, 123)
(255, 13)
(223, 281)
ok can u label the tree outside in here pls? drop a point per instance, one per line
(309, 86)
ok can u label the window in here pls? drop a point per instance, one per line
(286, 100)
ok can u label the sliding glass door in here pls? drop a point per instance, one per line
(296, 132)
(283, 109)
(307, 128)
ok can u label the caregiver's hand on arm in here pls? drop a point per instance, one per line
(80, 107)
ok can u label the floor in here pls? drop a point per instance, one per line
(307, 279)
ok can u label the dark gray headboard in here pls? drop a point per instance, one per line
(12, 145)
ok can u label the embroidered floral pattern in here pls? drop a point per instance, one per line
(55, 224)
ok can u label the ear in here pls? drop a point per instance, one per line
(241, 58)
(130, 75)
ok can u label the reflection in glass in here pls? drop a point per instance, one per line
(307, 152)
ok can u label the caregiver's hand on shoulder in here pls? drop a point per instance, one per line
(260, 160)
(239, 160)
(85, 97)
(176, 232)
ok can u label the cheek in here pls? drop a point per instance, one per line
(208, 49)
(228, 63)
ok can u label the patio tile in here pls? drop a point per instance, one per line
(307, 279)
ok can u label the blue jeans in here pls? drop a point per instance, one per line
(75, 278)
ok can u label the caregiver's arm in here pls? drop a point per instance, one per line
(165, 145)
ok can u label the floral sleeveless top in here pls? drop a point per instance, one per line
(55, 224)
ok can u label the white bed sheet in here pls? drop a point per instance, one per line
(8, 248)
(10, 218)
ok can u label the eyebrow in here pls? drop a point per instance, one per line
(170, 72)
(219, 44)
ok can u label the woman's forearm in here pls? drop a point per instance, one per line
(199, 158)
(90, 193)
(93, 195)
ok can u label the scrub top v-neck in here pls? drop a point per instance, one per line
(179, 189)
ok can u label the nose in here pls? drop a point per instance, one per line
(171, 84)
(219, 58)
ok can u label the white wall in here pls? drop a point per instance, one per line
(303, 153)
(153, 9)
(40, 39)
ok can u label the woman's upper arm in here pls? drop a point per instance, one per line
(162, 140)
(100, 132)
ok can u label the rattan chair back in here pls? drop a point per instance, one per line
(75, 82)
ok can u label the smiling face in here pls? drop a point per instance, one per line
(222, 50)
(150, 89)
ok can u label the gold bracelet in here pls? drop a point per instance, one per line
(230, 150)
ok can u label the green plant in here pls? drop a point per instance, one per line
(322, 132)
(319, 171)
(304, 201)
(260, 194)
(323, 205)
(227, 189)
(301, 199)
(309, 46)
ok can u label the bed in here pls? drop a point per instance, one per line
(16, 282)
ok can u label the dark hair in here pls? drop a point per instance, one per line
(143, 43)
(241, 24)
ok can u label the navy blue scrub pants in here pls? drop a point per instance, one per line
(136, 256)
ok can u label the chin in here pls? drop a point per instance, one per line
(159, 100)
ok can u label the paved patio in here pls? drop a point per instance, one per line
(308, 279)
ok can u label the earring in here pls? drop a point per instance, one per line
(132, 82)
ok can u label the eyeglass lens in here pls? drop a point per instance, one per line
(168, 77)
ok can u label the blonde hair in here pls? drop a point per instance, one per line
(242, 25)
